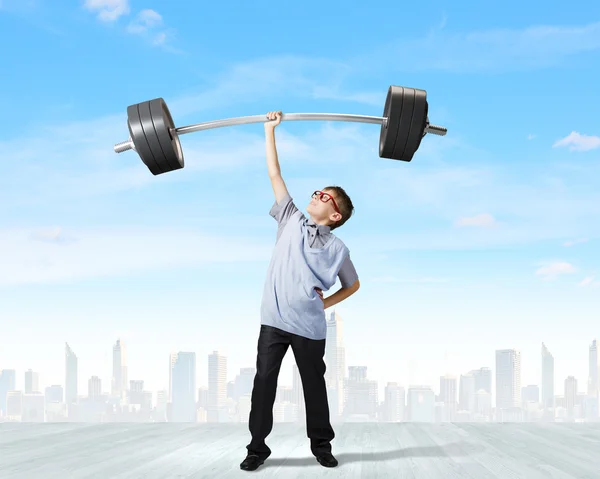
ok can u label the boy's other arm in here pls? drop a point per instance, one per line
(341, 294)
(349, 281)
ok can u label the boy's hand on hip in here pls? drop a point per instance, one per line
(274, 120)
(320, 292)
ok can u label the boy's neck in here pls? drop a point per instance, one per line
(322, 223)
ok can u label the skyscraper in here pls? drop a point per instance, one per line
(508, 379)
(32, 382)
(184, 388)
(448, 395)
(395, 402)
(467, 392)
(335, 361)
(244, 382)
(483, 379)
(54, 394)
(217, 384)
(420, 404)
(570, 395)
(172, 361)
(547, 378)
(530, 394)
(71, 376)
(594, 370)
(361, 394)
(94, 388)
(7, 383)
(119, 376)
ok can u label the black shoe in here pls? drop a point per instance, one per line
(251, 462)
(327, 460)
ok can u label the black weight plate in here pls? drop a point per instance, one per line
(150, 132)
(392, 111)
(163, 123)
(422, 128)
(139, 139)
(406, 115)
(414, 132)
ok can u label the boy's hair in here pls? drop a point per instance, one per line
(343, 202)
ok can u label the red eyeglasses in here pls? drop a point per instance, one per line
(325, 197)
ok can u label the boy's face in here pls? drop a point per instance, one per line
(323, 207)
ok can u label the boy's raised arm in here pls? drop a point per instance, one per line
(279, 186)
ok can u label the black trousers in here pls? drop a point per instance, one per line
(273, 343)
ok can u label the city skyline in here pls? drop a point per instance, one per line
(120, 368)
(352, 394)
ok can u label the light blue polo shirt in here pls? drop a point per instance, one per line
(306, 256)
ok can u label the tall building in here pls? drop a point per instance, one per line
(136, 391)
(395, 402)
(172, 361)
(217, 385)
(547, 378)
(14, 405)
(7, 383)
(94, 388)
(202, 397)
(594, 370)
(71, 376)
(335, 361)
(361, 394)
(570, 395)
(466, 391)
(184, 388)
(420, 404)
(448, 395)
(54, 394)
(119, 375)
(508, 379)
(530, 394)
(32, 382)
(483, 379)
(244, 382)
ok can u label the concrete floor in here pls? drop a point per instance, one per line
(364, 450)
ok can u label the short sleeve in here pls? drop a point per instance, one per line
(283, 210)
(347, 273)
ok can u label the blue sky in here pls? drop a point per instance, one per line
(488, 239)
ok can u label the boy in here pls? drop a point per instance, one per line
(307, 259)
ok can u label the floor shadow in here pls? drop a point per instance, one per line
(448, 450)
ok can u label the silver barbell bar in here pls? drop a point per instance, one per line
(245, 120)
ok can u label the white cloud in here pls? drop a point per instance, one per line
(144, 21)
(483, 220)
(108, 10)
(160, 38)
(51, 235)
(553, 270)
(90, 254)
(578, 142)
(502, 49)
(272, 80)
(589, 280)
(575, 242)
(531, 136)
(147, 23)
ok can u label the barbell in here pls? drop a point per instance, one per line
(155, 138)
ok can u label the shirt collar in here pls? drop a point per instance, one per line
(322, 229)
